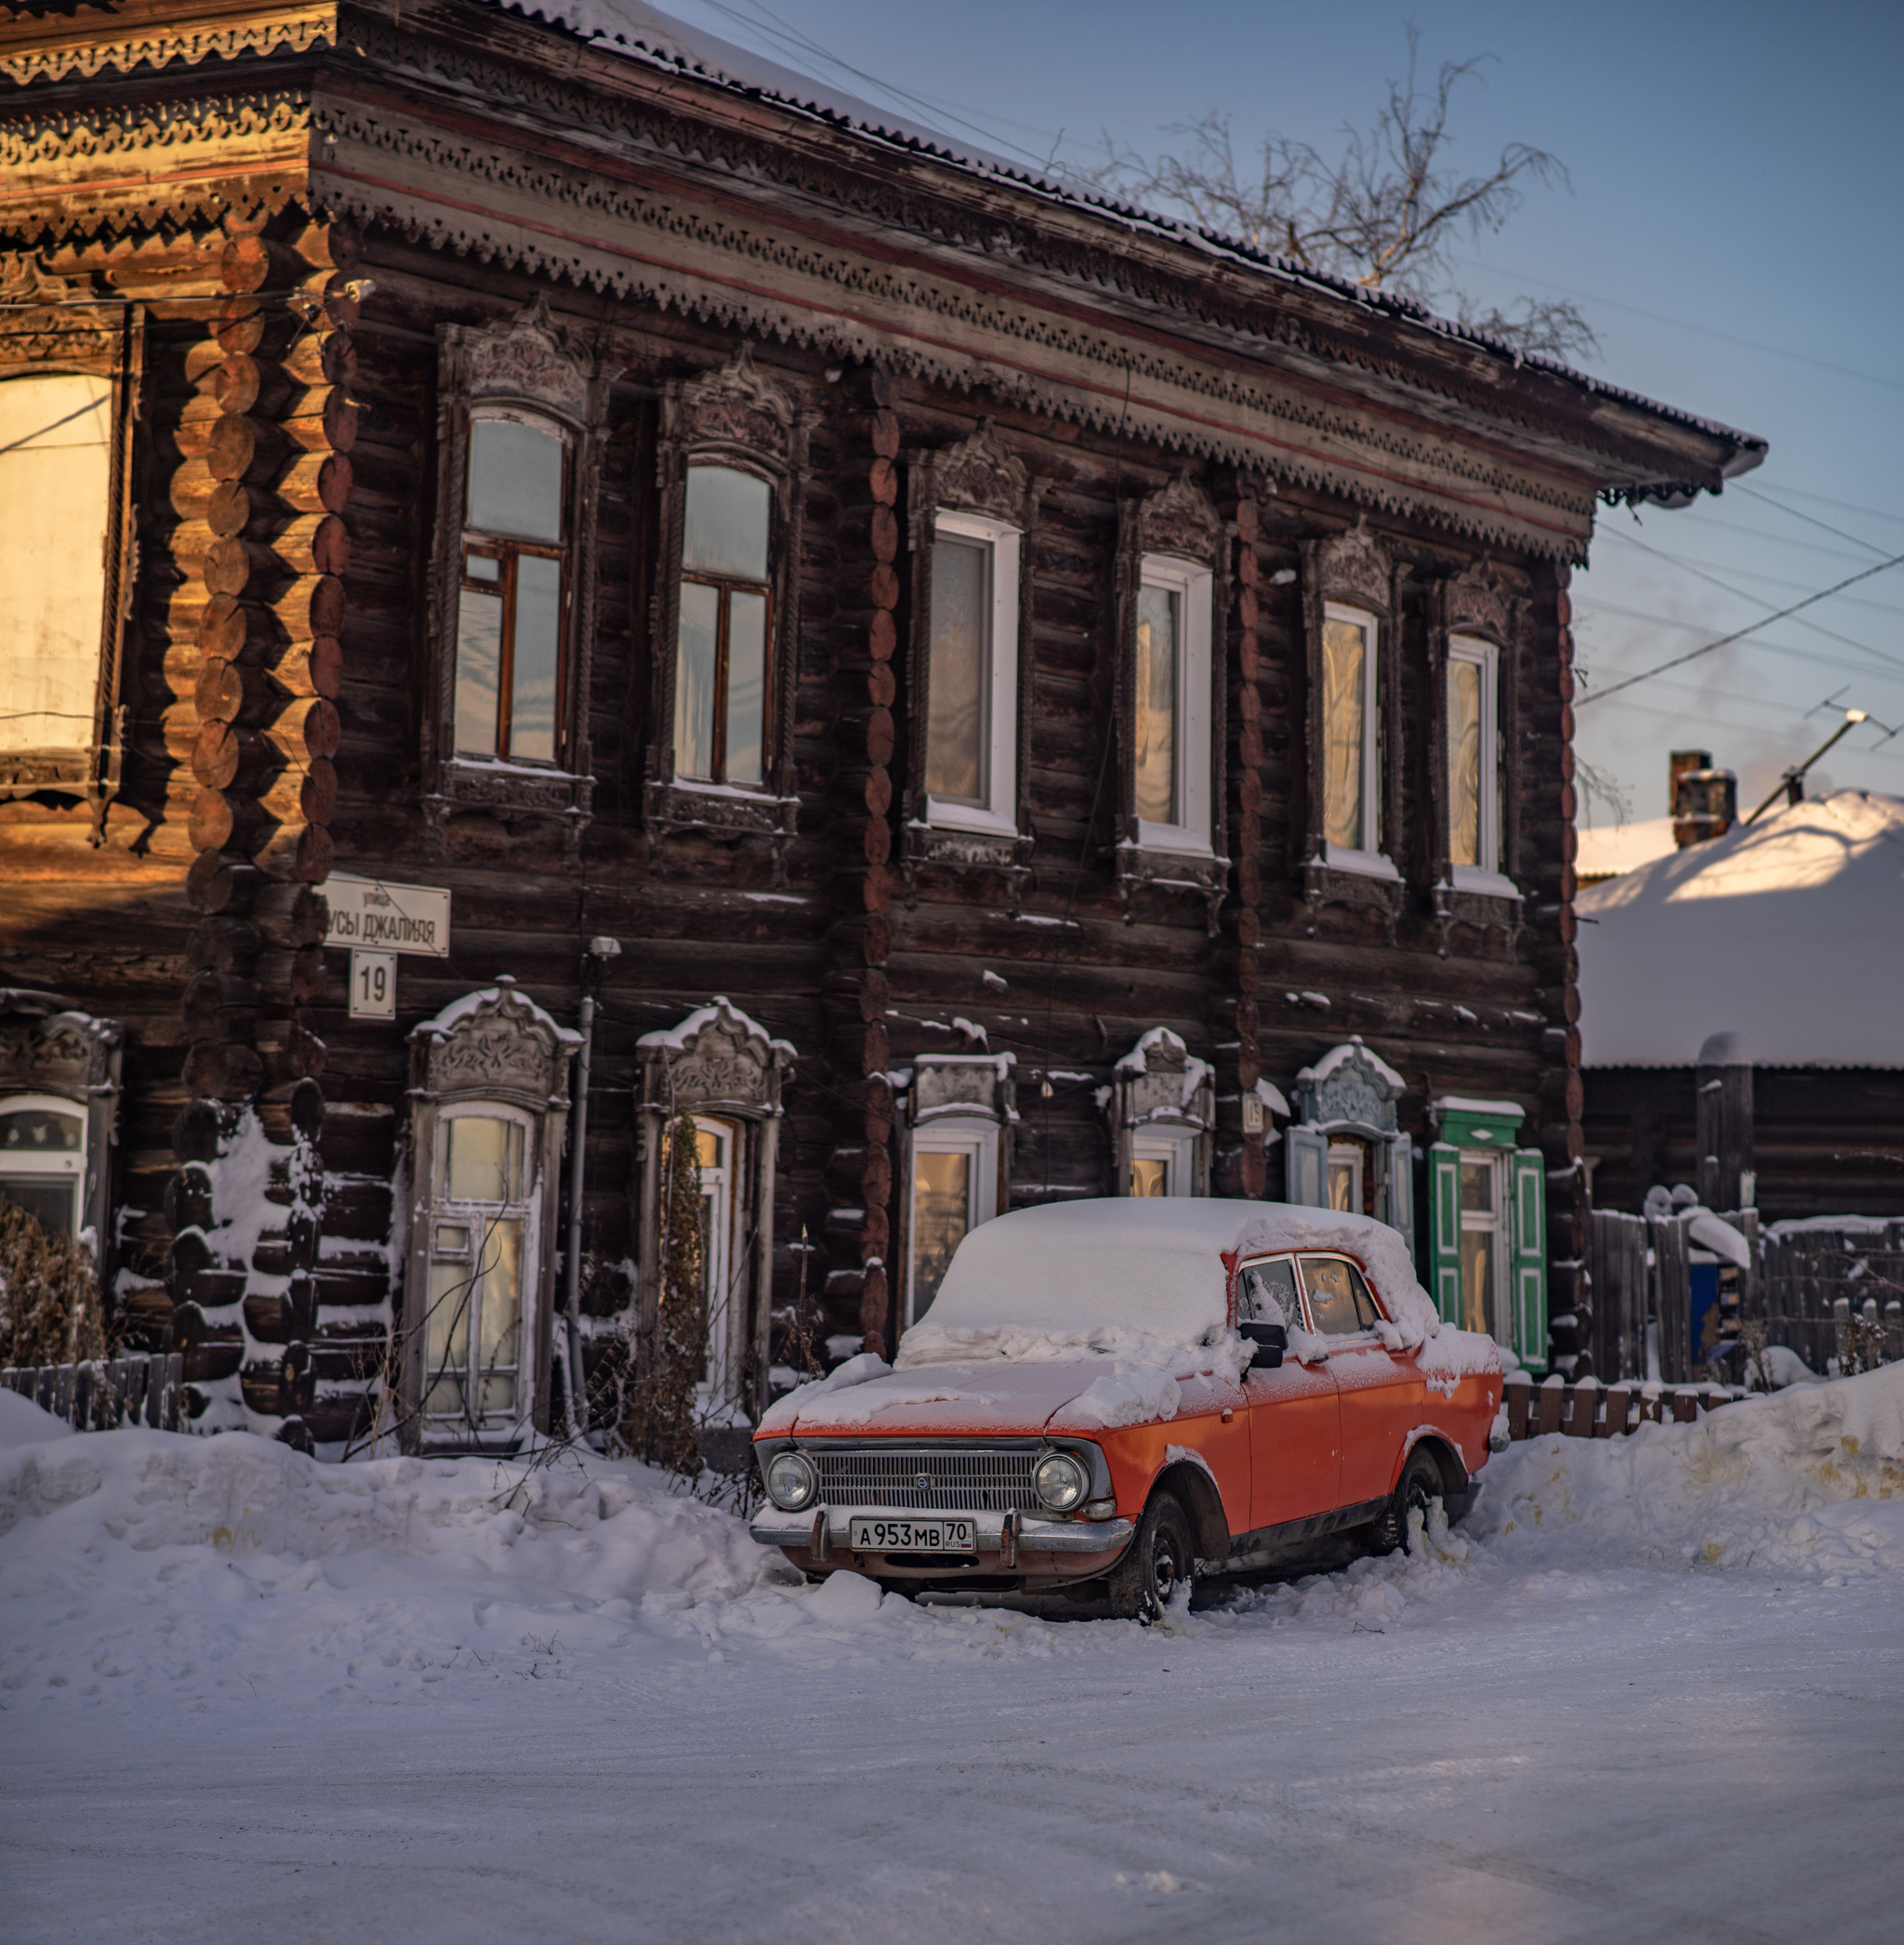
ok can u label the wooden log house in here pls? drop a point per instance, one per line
(1046, 703)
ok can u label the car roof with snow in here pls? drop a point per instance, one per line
(1153, 1264)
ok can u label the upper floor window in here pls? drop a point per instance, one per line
(723, 642)
(1351, 731)
(54, 500)
(1473, 795)
(1170, 705)
(512, 599)
(972, 675)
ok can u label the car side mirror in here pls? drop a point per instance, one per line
(1270, 1341)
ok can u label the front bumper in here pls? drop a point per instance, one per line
(1037, 1552)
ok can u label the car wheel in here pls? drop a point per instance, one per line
(1159, 1558)
(1420, 1486)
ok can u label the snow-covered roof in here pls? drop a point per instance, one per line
(1609, 848)
(1789, 931)
(638, 31)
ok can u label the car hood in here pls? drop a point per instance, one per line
(993, 1396)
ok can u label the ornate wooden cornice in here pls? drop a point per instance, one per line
(82, 44)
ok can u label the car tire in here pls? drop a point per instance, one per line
(1420, 1484)
(1156, 1562)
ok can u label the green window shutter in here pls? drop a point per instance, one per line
(1445, 1230)
(1398, 1211)
(1305, 1158)
(1529, 1257)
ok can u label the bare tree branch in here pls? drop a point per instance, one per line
(1385, 214)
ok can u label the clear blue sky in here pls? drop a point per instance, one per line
(1731, 235)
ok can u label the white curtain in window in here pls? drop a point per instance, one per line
(55, 482)
(1465, 762)
(1344, 733)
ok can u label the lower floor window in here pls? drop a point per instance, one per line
(1482, 1307)
(482, 1257)
(721, 1253)
(43, 1161)
(1163, 1165)
(955, 1187)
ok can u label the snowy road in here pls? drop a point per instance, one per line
(1588, 1724)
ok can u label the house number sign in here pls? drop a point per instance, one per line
(375, 921)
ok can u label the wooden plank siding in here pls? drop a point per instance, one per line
(301, 319)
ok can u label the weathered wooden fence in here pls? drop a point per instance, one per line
(1828, 1290)
(1811, 1271)
(1591, 1409)
(113, 1392)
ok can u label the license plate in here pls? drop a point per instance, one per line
(912, 1535)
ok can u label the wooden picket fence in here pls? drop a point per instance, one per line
(111, 1392)
(1591, 1409)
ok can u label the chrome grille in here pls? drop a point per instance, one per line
(954, 1482)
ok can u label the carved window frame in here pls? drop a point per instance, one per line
(1354, 571)
(958, 1104)
(52, 330)
(1174, 531)
(719, 1067)
(493, 1051)
(1147, 1111)
(733, 416)
(977, 488)
(519, 366)
(1477, 606)
(51, 1052)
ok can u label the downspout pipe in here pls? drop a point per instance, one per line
(593, 964)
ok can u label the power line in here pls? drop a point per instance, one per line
(1680, 561)
(1793, 513)
(1692, 655)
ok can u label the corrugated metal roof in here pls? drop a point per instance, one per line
(636, 30)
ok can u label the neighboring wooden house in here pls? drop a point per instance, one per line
(1022, 684)
(1739, 1007)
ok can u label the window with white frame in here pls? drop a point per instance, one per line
(43, 1161)
(1163, 1164)
(484, 1254)
(724, 632)
(721, 1251)
(972, 680)
(1170, 705)
(955, 1187)
(1351, 739)
(1473, 788)
(55, 456)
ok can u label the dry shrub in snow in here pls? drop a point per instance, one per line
(50, 1308)
(658, 1424)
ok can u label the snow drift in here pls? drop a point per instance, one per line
(1809, 1480)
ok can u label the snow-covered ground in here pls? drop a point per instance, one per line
(1650, 1691)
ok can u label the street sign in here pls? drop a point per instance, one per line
(372, 984)
(383, 918)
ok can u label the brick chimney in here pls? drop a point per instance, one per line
(1705, 802)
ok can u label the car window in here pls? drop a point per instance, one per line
(1267, 1293)
(1339, 1298)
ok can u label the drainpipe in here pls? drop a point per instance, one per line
(598, 951)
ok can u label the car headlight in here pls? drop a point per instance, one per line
(791, 1481)
(1061, 1482)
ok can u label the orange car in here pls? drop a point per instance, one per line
(1107, 1399)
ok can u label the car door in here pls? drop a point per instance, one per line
(1379, 1390)
(1295, 1423)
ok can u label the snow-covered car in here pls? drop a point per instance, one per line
(1109, 1398)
